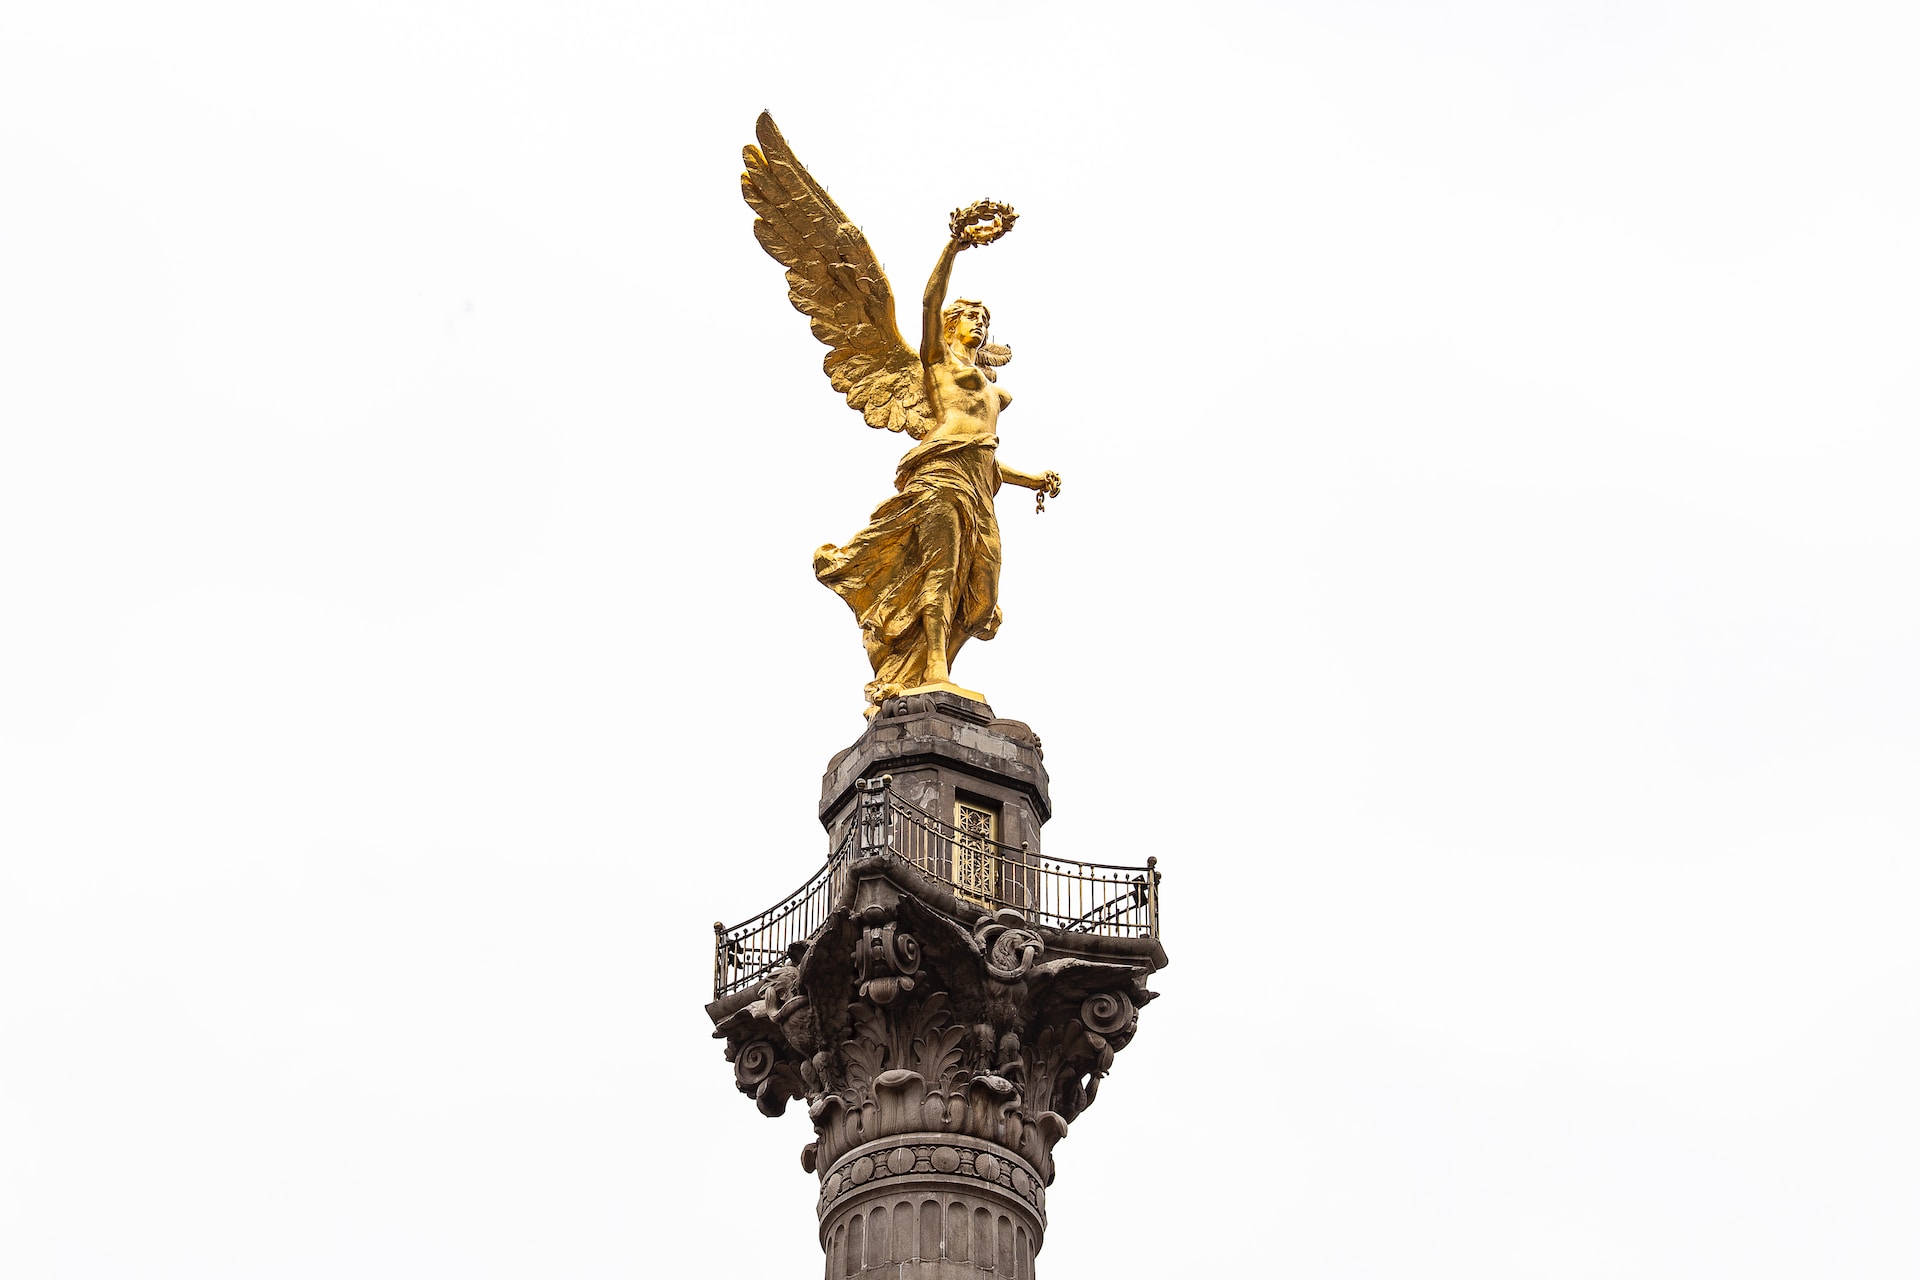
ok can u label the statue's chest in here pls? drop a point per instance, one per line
(969, 392)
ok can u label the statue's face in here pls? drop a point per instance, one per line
(968, 327)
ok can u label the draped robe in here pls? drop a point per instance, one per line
(933, 546)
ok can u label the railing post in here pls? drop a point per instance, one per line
(1153, 898)
(876, 815)
(719, 968)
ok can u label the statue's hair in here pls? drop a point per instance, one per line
(991, 355)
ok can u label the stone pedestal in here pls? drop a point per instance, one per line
(943, 1025)
(940, 749)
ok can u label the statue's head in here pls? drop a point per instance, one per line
(965, 322)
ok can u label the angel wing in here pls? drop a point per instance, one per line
(834, 280)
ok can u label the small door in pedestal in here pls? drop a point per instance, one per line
(976, 829)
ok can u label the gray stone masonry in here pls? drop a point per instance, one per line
(939, 748)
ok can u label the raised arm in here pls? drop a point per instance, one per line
(933, 337)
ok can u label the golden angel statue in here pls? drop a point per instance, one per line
(924, 575)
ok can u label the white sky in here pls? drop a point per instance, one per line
(1485, 578)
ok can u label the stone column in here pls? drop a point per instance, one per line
(942, 1044)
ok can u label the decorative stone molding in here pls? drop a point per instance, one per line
(969, 1028)
(933, 1159)
(888, 959)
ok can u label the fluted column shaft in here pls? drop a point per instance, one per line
(931, 1206)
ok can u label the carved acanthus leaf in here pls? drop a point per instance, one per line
(936, 1049)
(864, 1056)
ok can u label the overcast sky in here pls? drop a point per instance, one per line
(1485, 578)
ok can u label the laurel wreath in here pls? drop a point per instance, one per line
(982, 222)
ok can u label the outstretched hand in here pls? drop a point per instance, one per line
(981, 223)
(1045, 485)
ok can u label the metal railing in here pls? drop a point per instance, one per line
(750, 950)
(1073, 897)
